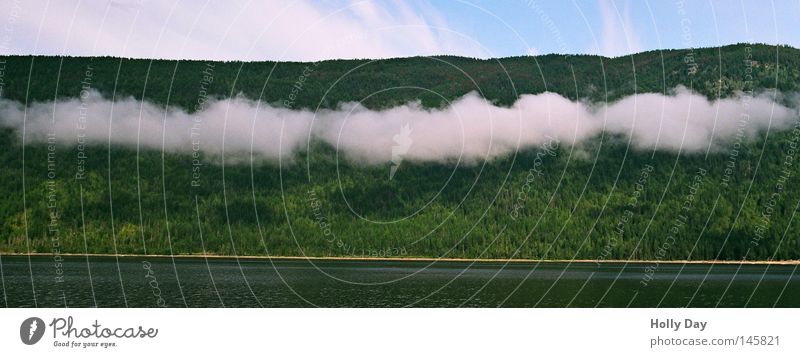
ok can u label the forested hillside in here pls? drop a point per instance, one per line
(600, 200)
(712, 71)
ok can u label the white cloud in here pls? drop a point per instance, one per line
(471, 129)
(228, 30)
(619, 35)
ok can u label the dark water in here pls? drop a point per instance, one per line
(152, 282)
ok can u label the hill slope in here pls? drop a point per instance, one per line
(601, 200)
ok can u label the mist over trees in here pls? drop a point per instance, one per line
(602, 199)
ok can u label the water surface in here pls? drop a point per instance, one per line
(196, 282)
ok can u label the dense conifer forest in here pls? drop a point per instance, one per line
(602, 199)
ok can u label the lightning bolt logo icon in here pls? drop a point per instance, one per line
(34, 327)
(31, 330)
(402, 144)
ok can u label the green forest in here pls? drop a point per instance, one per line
(603, 200)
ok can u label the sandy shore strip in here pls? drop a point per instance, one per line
(414, 259)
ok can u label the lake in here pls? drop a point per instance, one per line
(43, 281)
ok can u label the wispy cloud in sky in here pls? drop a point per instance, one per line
(316, 29)
(227, 30)
(619, 34)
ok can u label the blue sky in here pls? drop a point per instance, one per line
(619, 27)
(313, 30)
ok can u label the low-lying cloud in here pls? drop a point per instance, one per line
(470, 129)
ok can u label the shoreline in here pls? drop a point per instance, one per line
(411, 259)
